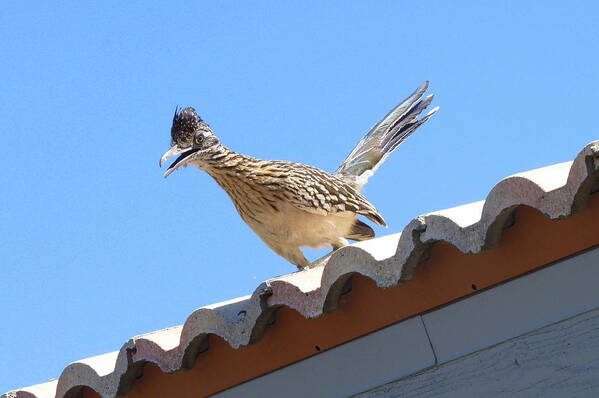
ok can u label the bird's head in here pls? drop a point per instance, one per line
(192, 139)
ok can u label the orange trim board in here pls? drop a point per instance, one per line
(533, 241)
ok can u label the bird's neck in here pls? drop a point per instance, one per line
(220, 158)
(230, 170)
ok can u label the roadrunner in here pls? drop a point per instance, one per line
(291, 205)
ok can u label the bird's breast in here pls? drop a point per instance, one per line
(277, 221)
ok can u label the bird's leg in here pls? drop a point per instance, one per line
(295, 256)
(341, 242)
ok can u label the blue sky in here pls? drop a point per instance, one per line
(97, 247)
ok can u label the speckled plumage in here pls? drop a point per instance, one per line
(292, 205)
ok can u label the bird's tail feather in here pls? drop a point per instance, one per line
(385, 137)
(360, 231)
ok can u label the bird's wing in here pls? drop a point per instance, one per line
(316, 191)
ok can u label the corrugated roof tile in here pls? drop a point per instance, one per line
(557, 191)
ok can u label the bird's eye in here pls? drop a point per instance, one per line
(197, 139)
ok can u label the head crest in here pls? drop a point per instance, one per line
(185, 122)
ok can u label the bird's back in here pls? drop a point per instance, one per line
(257, 185)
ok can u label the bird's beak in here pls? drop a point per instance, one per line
(175, 150)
